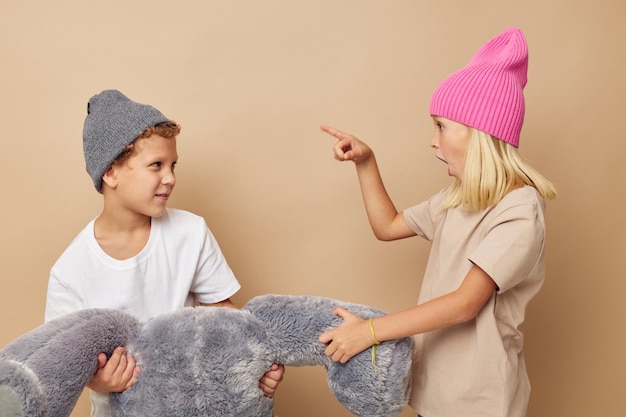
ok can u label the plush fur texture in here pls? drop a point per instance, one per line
(199, 362)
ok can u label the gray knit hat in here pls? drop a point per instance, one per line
(113, 122)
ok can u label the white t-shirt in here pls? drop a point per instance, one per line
(181, 260)
(477, 369)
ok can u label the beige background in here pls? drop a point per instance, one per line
(250, 81)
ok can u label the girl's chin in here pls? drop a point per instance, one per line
(452, 174)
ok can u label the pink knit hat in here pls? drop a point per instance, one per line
(487, 93)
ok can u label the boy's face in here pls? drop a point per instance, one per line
(146, 179)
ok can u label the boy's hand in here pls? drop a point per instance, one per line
(348, 147)
(116, 374)
(270, 380)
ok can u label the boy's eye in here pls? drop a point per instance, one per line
(156, 164)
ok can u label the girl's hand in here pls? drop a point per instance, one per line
(348, 147)
(348, 339)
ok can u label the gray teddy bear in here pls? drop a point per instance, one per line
(199, 362)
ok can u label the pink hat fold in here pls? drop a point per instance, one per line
(487, 94)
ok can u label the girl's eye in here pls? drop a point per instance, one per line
(156, 164)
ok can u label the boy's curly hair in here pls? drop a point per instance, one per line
(166, 130)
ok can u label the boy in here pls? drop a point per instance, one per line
(137, 255)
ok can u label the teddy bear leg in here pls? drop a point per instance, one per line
(20, 395)
(48, 367)
(374, 383)
(9, 403)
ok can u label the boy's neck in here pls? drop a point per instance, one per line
(122, 237)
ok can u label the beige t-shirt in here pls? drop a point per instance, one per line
(477, 368)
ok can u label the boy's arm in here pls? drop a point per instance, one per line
(224, 303)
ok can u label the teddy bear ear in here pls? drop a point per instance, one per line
(365, 388)
(63, 350)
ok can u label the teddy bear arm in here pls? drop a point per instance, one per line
(43, 372)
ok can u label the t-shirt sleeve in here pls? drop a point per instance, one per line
(60, 299)
(512, 246)
(214, 280)
(423, 217)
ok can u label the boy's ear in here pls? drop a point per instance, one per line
(110, 177)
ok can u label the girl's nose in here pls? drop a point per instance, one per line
(434, 141)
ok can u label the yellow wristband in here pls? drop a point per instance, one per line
(376, 343)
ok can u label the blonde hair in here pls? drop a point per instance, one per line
(493, 169)
(167, 130)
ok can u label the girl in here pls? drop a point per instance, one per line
(487, 244)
